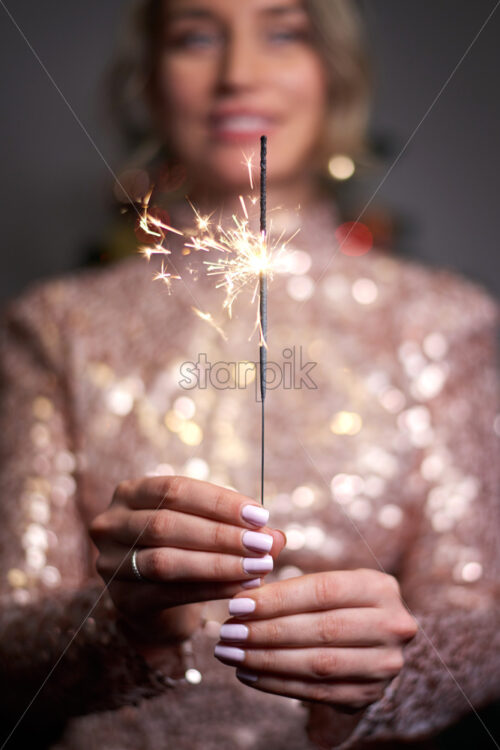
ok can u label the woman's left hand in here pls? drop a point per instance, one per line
(333, 637)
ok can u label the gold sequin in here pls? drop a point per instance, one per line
(390, 516)
(303, 497)
(346, 423)
(364, 291)
(17, 578)
(190, 433)
(43, 409)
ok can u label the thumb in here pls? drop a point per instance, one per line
(279, 542)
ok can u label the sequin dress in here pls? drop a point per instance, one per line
(382, 435)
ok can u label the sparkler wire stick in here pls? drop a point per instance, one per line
(263, 303)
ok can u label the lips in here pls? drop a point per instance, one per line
(240, 126)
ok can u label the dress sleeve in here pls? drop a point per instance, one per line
(450, 575)
(62, 650)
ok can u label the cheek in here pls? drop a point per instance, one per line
(184, 88)
(305, 88)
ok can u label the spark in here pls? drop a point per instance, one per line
(237, 255)
(146, 221)
(165, 276)
(209, 319)
(247, 162)
(244, 255)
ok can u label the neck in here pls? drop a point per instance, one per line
(281, 196)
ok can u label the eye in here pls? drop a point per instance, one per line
(284, 36)
(195, 40)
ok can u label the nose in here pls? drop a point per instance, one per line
(239, 62)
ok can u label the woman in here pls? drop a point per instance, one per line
(380, 456)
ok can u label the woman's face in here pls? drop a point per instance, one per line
(232, 70)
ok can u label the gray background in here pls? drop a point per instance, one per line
(57, 191)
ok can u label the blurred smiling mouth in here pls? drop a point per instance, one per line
(240, 127)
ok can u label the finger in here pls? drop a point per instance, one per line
(170, 564)
(160, 528)
(310, 593)
(346, 696)
(194, 497)
(365, 664)
(367, 626)
(145, 597)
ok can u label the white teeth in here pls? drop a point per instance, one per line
(242, 123)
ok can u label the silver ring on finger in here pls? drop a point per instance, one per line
(135, 567)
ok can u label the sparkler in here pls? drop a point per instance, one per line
(263, 304)
(243, 258)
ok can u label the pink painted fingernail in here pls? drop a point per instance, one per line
(233, 632)
(252, 583)
(231, 653)
(258, 564)
(241, 674)
(256, 540)
(254, 514)
(241, 606)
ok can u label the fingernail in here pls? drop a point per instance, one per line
(256, 540)
(252, 583)
(258, 564)
(246, 676)
(241, 606)
(233, 632)
(256, 515)
(231, 653)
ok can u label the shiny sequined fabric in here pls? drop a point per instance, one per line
(382, 435)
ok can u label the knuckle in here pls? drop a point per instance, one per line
(374, 579)
(392, 584)
(372, 574)
(404, 626)
(383, 584)
(324, 663)
(329, 628)
(219, 502)
(272, 632)
(323, 693)
(278, 596)
(322, 589)
(268, 661)
(219, 534)
(157, 527)
(157, 564)
(358, 698)
(172, 489)
(393, 663)
(97, 527)
(122, 491)
(219, 567)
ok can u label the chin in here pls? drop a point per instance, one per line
(230, 175)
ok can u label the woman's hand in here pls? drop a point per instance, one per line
(196, 542)
(334, 637)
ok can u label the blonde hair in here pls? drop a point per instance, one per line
(339, 34)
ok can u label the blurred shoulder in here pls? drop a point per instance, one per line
(97, 308)
(102, 287)
(427, 298)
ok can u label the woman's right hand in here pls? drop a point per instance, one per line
(196, 542)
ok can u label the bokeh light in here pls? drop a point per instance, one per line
(341, 167)
(354, 238)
